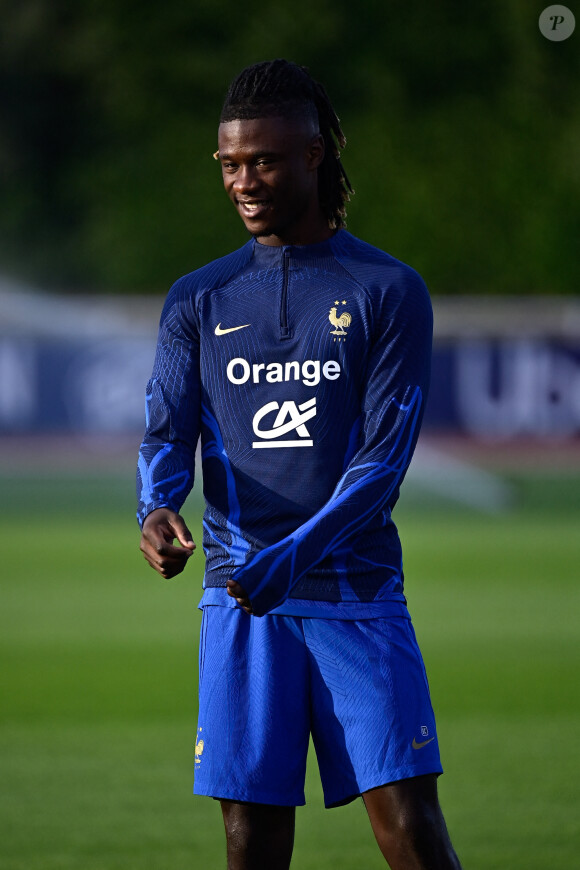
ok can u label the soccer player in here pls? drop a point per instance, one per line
(302, 361)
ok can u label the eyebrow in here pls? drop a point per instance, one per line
(257, 155)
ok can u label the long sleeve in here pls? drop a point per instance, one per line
(397, 380)
(166, 464)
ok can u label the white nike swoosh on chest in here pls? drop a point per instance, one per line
(220, 331)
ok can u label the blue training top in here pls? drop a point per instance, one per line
(305, 369)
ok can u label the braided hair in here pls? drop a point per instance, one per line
(280, 88)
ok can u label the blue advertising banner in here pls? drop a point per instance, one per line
(506, 389)
(484, 388)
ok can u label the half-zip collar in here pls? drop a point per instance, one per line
(273, 255)
(284, 325)
(286, 257)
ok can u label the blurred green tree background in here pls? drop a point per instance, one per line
(463, 127)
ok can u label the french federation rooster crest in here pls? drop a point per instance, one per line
(199, 744)
(341, 322)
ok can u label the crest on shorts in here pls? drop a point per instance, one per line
(199, 744)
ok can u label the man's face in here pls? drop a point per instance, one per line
(269, 168)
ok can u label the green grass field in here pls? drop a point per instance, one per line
(98, 686)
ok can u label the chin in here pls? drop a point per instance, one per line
(256, 228)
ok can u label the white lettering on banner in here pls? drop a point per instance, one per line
(517, 388)
(289, 417)
(240, 371)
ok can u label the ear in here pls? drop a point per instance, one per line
(316, 151)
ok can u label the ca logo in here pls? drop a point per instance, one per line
(289, 417)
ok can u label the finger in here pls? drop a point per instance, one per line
(163, 525)
(245, 606)
(183, 534)
(159, 538)
(166, 568)
(160, 549)
(165, 558)
(236, 591)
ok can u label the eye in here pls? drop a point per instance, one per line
(229, 166)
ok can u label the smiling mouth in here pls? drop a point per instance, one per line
(252, 207)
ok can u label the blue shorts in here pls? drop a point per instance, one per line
(266, 684)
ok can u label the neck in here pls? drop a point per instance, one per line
(309, 232)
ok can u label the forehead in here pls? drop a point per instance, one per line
(261, 135)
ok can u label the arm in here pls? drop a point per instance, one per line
(167, 455)
(397, 382)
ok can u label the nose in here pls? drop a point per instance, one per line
(246, 180)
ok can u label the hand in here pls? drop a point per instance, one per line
(160, 529)
(239, 593)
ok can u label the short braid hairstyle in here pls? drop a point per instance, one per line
(280, 88)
